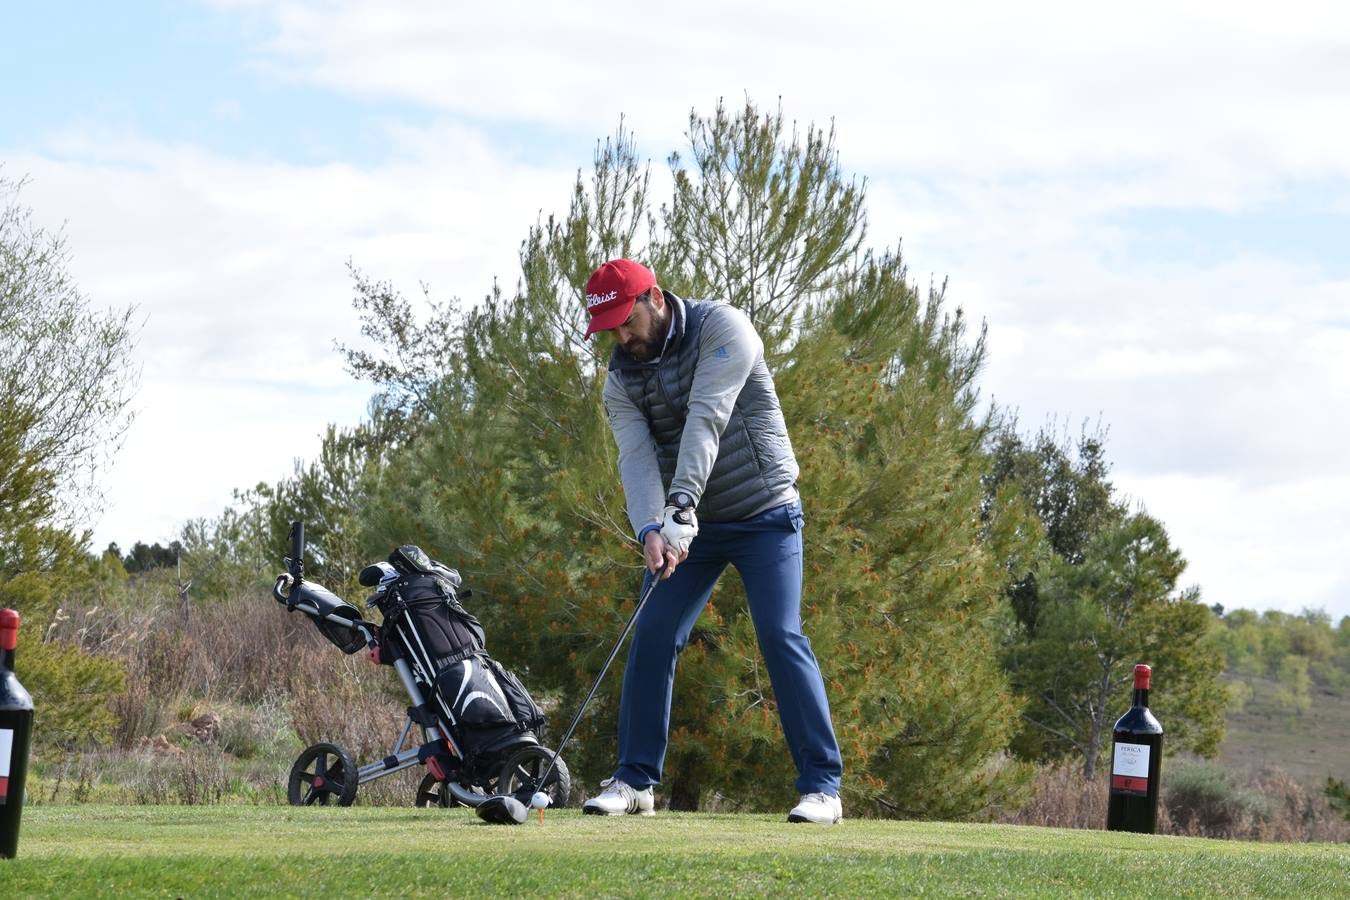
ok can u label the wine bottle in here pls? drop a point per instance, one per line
(1136, 758)
(16, 727)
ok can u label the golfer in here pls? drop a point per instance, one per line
(710, 479)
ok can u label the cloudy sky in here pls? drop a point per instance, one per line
(1149, 206)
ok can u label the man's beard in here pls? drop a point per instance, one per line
(647, 347)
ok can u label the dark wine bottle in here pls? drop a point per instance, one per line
(1136, 759)
(16, 727)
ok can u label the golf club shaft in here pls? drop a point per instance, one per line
(642, 601)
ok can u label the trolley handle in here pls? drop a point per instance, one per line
(295, 563)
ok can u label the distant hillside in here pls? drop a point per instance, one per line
(1310, 745)
(1289, 676)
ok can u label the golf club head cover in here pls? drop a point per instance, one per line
(679, 525)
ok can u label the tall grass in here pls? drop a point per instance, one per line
(1199, 800)
(272, 685)
(266, 677)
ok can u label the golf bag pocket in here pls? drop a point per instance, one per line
(479, 706)
(475, 697)
(528, 715)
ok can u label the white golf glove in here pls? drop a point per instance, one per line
(679, 525)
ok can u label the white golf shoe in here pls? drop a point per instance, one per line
(818, 809)
(620, 799)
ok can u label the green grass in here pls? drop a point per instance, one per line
(266, 851)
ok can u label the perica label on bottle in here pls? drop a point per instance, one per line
(1129, 769)
(6, 748)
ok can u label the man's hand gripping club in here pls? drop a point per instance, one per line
(667, 548)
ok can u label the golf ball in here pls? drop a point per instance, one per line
(539, 800)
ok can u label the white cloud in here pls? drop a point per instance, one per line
(1230, 531)
(238, 270)
(1232, 374)
(1177, 360)
(1004, 143)
(1144, 362)
(1218, 96)
(197, 440)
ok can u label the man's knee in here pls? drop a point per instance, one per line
(655, 644)
(785, 641)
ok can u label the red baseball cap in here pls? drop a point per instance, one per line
(612, 290)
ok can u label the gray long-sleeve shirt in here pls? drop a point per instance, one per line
(728, 354)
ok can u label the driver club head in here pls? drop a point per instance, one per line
(502, 810)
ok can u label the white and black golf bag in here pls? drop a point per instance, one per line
(487, 709)
(481, 731)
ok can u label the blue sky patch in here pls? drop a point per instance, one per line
(175, 73)
(1302, 228)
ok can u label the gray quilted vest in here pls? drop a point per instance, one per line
(755, 469)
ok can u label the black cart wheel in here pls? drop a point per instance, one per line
(432, 793)
(520, 774)
(323, 774)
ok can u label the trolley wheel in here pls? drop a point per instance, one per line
(520, 774)
(432, 793)
(323, 774)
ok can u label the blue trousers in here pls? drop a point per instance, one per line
(767, 552)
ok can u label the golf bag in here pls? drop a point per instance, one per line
(426, 624)
(481, 730)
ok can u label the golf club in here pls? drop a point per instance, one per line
(505, 809)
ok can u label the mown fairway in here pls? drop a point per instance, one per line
(257, 851)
